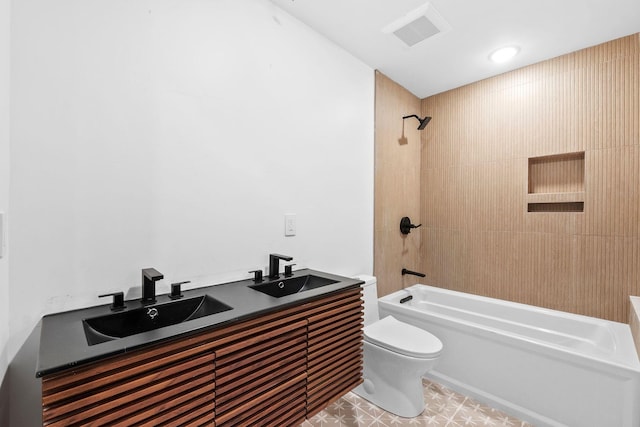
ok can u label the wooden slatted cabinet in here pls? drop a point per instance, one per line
(168, 386)
(256, 370)
(274, 369)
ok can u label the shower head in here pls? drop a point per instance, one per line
(423, 122)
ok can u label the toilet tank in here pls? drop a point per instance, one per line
(370, 297)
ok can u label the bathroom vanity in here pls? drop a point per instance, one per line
(269, 360)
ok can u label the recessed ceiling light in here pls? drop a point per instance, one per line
(504, 54)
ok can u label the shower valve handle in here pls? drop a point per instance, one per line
(406, 226)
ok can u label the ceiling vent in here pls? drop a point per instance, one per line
(418, 25)
(416, 31)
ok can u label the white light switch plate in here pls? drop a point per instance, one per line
(290, 224)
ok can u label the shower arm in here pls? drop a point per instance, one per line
(423, 122)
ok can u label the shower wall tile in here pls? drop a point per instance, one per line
(571, 223)
(523, 267)
(546, 270)
(478, 235)
(609, 274)
(613, 113)
(612, 199)
(397, 185)
(444, 262)
(483, 255)
(442, 153)
(443, 184)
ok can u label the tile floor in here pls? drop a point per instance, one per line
(443, 408)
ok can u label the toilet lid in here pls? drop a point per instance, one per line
(402, 338)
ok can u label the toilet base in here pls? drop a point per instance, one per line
(395, 402)
(393, 381)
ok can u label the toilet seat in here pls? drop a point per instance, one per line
(403, 338)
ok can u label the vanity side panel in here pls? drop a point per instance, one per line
(634, 321)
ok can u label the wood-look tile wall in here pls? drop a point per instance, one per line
(397, 185)
(478, 236)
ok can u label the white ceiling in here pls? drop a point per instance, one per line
(542, 29)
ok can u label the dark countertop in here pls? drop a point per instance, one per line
(63, 343)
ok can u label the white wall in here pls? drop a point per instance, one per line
(176, 134)
(4, 184)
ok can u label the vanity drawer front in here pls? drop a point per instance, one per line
(161, 393)
(259, 367)
(284, 401)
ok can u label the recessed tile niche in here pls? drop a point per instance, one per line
(556, 183)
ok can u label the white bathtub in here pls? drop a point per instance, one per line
(547, 367)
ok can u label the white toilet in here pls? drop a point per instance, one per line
(396, 355)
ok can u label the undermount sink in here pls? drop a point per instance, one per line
(131, 322)
(292, 285)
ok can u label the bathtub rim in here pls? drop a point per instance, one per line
(626, 356)
(627, 378)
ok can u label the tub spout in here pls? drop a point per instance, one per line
(413, 273)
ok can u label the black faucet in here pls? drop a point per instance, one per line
(274, 264)
(118, 300)
(413, 273)
(149, 278)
